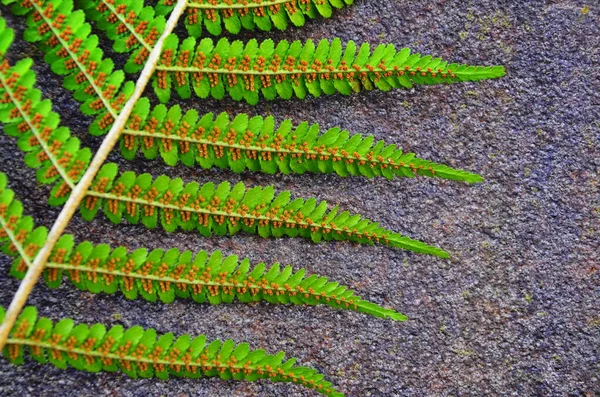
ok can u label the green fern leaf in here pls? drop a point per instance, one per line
(242, 71)
(305, 68)
(225, 210)
(258, 144)
(138, 352)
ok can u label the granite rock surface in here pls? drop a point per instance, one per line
(514, 312)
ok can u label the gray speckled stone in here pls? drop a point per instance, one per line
(515, 311)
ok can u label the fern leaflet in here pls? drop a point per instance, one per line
(142, 353)
(288, 69)
(258, 144)
(50, 148)
(224, 209)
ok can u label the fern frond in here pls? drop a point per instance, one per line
(259, 145)
(165, 275)
(250, 14)
(50, 148)
(288, 69)
(64, 36)
(224, 209)
(142, 353)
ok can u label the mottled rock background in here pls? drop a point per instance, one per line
(516, 311)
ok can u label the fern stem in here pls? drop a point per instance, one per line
(33, 128)
(80, 191)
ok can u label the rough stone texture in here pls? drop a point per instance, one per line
(514, 312)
